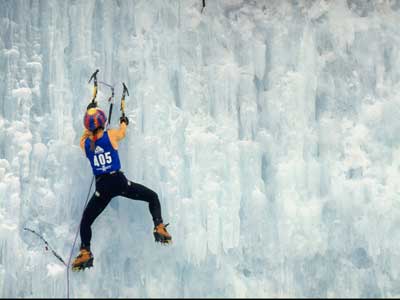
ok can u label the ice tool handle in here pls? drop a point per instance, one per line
(124, 93)
(94, 77)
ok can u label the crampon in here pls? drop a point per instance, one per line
(83, 266)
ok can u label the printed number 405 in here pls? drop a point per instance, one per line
(103, 159)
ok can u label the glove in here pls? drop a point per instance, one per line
(91, 105)
(124, 119)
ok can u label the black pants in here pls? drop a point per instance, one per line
(109, 186)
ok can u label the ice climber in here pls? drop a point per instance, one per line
(101, 148)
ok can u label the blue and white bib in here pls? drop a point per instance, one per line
(105, 158)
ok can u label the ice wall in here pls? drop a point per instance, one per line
(269, 129)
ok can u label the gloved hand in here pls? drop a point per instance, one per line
(124, 119)
(91, 105)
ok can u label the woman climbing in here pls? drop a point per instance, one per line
(101, 148)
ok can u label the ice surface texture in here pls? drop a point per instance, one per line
(269, 129)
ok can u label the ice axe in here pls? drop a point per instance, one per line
(94, 77)
(124, 93)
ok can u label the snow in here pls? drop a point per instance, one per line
(21, 93)
(55, 270)
(269, 130)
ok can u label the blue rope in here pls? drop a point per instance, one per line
(76, 236)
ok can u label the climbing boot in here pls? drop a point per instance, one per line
(161, 234)
(83, 260)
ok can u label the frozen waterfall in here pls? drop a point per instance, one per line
(267, 128)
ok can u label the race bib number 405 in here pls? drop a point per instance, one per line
(102, 159)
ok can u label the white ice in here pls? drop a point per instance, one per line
(269, 129)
